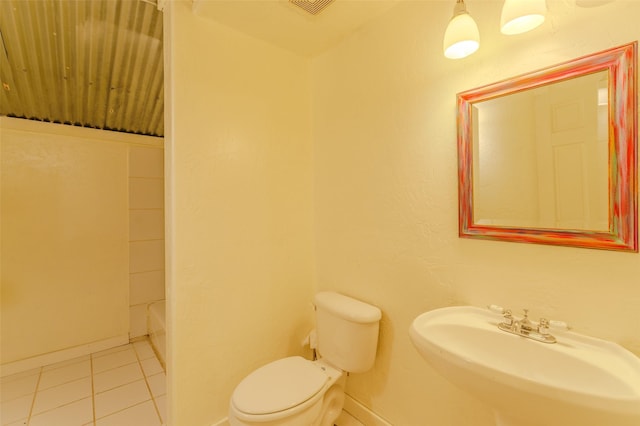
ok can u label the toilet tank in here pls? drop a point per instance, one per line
(347, 331)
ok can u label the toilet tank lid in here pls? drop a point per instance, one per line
(278, 386)
(347, 308)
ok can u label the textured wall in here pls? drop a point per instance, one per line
(64, 238)
(239, 210)
(386, 196)
(384, 199)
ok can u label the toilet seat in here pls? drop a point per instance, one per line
(298, 380)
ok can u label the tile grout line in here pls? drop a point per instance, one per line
(146, 382)
(110, 351)
(93, 392)
(66, 381)
(66, 363)
(41, 380)
(49, 410)
(35, 393)
(119, 386)
(124, 409)
(131, 347)
(115, 368)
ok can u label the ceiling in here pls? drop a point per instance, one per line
(91, 63)
(99, 63)
(281, 23)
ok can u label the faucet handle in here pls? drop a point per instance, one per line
(508, 317)
(496, 309)
(558, 325)
(543, 326)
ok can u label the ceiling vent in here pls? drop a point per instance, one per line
(313, 7)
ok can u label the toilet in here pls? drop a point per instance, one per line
(294, 391)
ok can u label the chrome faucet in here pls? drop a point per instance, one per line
(525, 327)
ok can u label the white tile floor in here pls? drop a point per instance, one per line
(123, 386)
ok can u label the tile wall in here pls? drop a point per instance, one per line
(146, 233)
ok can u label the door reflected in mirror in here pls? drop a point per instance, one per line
(551, 157)
(541, 160)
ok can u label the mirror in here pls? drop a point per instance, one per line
(550, 157)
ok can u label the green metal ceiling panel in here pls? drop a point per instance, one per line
(92, 63)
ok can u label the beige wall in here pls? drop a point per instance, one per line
(386, 196)
(384, 202)
(65, 233)
(238, 209)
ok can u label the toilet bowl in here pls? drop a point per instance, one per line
(294, 391)
(289, 392)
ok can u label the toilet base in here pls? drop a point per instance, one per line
(332, 405)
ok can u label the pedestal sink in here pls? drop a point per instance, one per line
(577, 381)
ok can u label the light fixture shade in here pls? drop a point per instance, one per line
(520, 16)
(462, 37)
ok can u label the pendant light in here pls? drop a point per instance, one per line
(520, 16)
(462, 37)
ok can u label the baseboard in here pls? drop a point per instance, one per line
(362, 413)
(63, 355)
(223, 422)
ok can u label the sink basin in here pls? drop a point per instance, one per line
(579, 380)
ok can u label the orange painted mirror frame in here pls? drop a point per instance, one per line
(621, 138)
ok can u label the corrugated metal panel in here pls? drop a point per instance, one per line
(93, 63)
